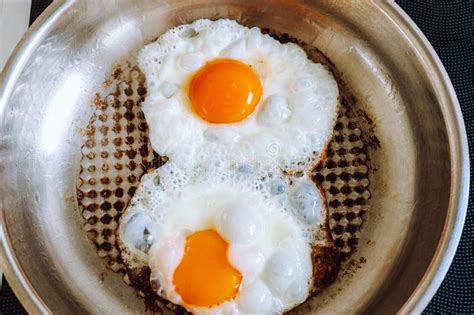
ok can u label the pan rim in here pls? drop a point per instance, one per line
(460, 165)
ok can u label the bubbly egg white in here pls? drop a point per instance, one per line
(268, 223)
(291, 124)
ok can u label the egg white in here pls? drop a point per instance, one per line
(290, 126)
(262, 216)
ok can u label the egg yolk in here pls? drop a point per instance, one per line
(225, 91)
(205, 276)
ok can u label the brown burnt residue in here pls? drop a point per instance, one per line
(140, 281)
(326, 266)
(116, 152)
(326, 259)
(351, 266)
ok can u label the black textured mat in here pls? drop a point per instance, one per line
(448, 26)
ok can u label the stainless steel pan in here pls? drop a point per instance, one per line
(420, 185)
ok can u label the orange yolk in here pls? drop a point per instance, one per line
(205, 277)
(225, 91)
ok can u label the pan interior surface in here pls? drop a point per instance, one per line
(45, 112)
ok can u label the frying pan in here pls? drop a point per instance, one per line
(420, 173)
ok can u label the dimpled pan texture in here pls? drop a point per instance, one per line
(117, 152)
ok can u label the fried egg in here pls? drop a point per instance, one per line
(225, 241)
(221, 92)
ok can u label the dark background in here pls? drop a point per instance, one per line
(448, 25)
